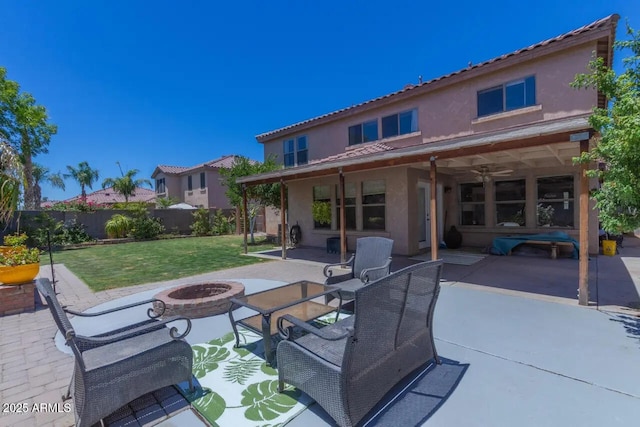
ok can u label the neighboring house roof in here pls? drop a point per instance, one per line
(170, 169)
(608, 23)
(381, 154)
(221, 162)
(109, 196)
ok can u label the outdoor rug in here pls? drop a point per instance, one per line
(235, 387)
(450, 256)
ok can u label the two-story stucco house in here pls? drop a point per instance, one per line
(198, 185)
(487, 149)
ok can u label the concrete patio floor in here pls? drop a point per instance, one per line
(532, 355)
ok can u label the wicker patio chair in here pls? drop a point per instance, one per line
(371, 261)
(349, 366)
(116, 367)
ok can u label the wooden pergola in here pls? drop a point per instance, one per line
(574, 130)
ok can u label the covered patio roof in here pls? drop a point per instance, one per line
(449, 151)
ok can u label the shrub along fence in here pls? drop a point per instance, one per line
(174, 220)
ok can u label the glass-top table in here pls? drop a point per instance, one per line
(293, 299)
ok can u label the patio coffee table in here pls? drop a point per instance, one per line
(293, 299)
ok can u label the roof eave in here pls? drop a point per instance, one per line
(403, 156)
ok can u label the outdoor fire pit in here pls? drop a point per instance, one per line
(198, 300)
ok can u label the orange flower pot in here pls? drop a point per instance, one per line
(18, 274)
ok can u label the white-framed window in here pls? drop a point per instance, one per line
(296, 151)
(349, 205)
(373, 205)
(363, 132)
(555, 204)
(160, 186)
(472, 204)
(400, 123)
(202, 180)
(189, 183)
(508, 96)
(511, 202)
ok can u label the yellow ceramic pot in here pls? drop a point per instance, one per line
(18, 274)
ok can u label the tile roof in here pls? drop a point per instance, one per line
(355, 153)
(381, 151)
(221, 162)
(601, 23)
(172, 169)
(109, 196)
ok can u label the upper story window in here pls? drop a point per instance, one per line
(400, 124)
(363, 132)
(202, 180)
(189, 183)
(509, 96)
(296, 151)
(160, 186)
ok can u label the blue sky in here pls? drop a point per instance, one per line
(180, 83)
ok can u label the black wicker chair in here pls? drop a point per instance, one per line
(116, 367)
(349, 366)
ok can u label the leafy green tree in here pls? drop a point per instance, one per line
(25, 125)
(257, 195)
(125, 184)
(84, 175)
(617, 146)
(40, 174)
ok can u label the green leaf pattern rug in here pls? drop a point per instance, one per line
(238, 388)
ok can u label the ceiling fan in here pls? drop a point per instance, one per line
(485, 174)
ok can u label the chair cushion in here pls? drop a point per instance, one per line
(349, 287)
(331, 351)
(120, 350)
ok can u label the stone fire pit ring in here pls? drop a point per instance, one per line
(198, 299)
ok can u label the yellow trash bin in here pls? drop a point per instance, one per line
(609, 247)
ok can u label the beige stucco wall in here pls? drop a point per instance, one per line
(451, 111)
(300, 195)
(212, 196)
(447, 112)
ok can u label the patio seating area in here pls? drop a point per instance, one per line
(519, 349)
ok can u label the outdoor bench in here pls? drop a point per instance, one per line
(553, 245)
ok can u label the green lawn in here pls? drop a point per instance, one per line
(118, 265)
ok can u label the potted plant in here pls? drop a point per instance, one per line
(18, 263)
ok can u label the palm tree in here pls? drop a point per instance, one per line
(83, 175)
(126, 184)
(11, 175)
(41, 173)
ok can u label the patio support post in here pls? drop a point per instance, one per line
(343, 222)
(283, 223)
(433, 209)
(583, 275)
(244, 215)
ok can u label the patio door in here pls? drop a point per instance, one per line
(424, 215)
